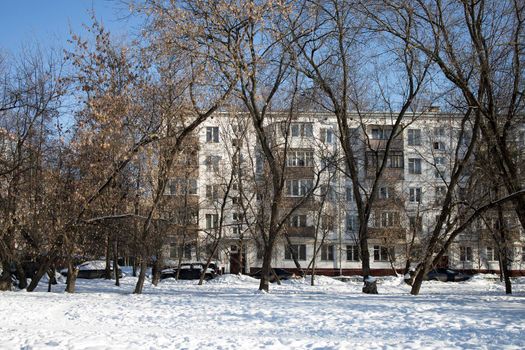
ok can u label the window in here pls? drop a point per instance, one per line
(414, 137)
(492, 254)
(191, 186)
(415, 195)
(522, 254)
(352, 253)
(441, 192)
(394, 161)
(327, 222)
(260, 251)
(439, 161)
(212, 163)
(388, 219)
(182, 186)
(352, 223)
(298, 220)
(384, 193)
(298, 188)
(300, 158)
(329, 164)
(212, 134)
(172, 188)
(349, 193)
(438, 146)
(237, 217)
(302, 129)
(327, 136)
(465, 254)
(174, 251)
(439, 132)
(414, 165)
(299, 250)
(212, 192)
(235, 200)
(328, 193)
(187, 251)
(327, 252)
(381, 134)
(381, 253)
(184, 216)
(212, 221)
(259, 163)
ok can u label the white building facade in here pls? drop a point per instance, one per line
(229, 188)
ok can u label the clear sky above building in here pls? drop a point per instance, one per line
(48, 23)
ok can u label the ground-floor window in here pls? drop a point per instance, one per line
(299, 250)
(177, 251)
(492, 254)
(327, 252)
(522, 254)
(352, 253)
(381, 253)
(465, 253)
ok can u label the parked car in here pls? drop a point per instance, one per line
(446, 275)
(190, 271)
(281, 273)
(93, 269)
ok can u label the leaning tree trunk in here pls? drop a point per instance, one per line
(21, 275)
(294, 255)
(142, 276)
(42, 269)
(418, 280)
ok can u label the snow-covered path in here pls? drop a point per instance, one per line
(229, 313)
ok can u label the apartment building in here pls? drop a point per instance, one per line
(220, 185)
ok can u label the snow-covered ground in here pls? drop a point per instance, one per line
(229, 313)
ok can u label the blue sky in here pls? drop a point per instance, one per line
(48, 22)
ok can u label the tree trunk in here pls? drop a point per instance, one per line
(504, 268)
(294, 255)
(142, 276)
(418, 280)
(5, 278)
(107, 275)
(266, 267)
(44, 266)
(156, 270)
(50, 280)
(115, 262)
(135, 262)
(72, 273)
(365, 259)
(21, 275)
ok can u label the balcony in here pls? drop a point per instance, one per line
(301, 232)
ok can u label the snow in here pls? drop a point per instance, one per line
(230, 313)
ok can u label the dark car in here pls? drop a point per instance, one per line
(446, 275)
(190, 271)
(93, 269)
(282, 274)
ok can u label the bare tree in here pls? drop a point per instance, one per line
(325, 37)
